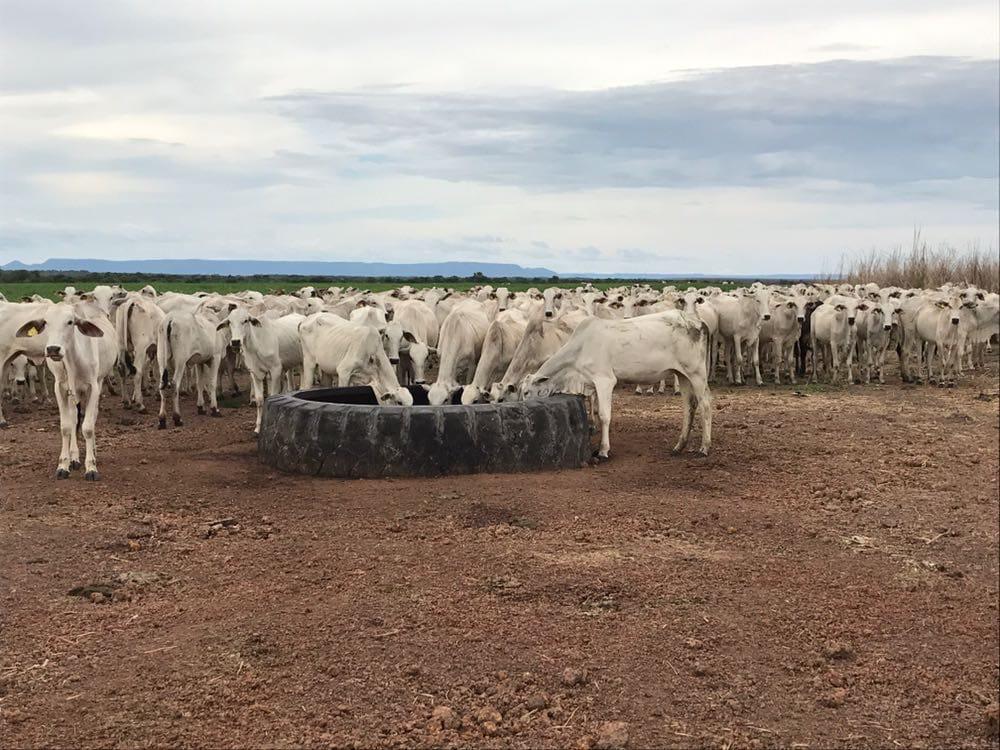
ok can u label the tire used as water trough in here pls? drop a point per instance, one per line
(342, 432)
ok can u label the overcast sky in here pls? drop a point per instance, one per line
(668, 137)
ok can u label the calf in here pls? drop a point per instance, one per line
(639, 350)
(80, 351)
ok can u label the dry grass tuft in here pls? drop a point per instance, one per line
(923, 267)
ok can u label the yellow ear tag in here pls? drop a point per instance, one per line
(32, 331)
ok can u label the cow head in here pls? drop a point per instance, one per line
(240, 324)
(61, 324)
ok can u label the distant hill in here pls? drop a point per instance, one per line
(311, 268)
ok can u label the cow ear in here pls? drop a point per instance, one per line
(86, 296)
(61, 292)
(862, 306)
(409, 337)
(254, 322)
(223, 324)
(841, 307)
(941, 303)
(700, 301)
(542, 379)
(511, 388)
(87, 328)
(31, 328)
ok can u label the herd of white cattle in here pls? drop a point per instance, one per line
(488, 344)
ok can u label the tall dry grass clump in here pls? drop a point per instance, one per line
(924, 267)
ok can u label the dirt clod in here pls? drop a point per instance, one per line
(837, 651)
(834, 698)
(443, 717)
(571, 676)
(612, 735)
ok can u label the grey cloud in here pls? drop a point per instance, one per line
(880, 123)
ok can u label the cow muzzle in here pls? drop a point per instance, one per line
(767, 316)
(548, 313)
(850, 321)
(887, 328)
(393, 360)
(20, 381)
(954, 321)
(237, 345)
(54, 353)
(801, 319)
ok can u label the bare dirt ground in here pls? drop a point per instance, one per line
(828, 577)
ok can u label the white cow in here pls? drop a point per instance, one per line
(80, 351)
(832, 334)
(874, 331)
(640, 350)
(354, 352)
(418, 328)
(740, 318)
(270, 347)
(12, 316)
(782, 330)
(460, 343)
(137, 324)
(502, 338)
(188, 339)
(944, 326)
(542, 338)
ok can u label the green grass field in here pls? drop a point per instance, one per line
(14, 291)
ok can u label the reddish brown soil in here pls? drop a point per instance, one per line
(828, 577)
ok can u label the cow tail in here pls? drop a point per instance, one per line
(165, 375)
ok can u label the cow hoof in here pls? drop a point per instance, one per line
(201, 409)
(236, 391)
(162, 424)
(216, 412)
(62, 473)
(92, 476)
(4, 424)
(74, 465)
(141, 408)
(178, 422)
(701, 454)
(126, 405)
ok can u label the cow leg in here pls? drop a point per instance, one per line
(212, 373)
(67, 429)
(604, 391)
(687, 416)
(89, 433)
(703, 401)
(3, 379)
(308, 367)
(754, 351)
(140, 363)
(257, 384)
(178, 380)
(738, 359)
(199, 387)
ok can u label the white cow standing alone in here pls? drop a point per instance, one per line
(646, 349)
(80, 349)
